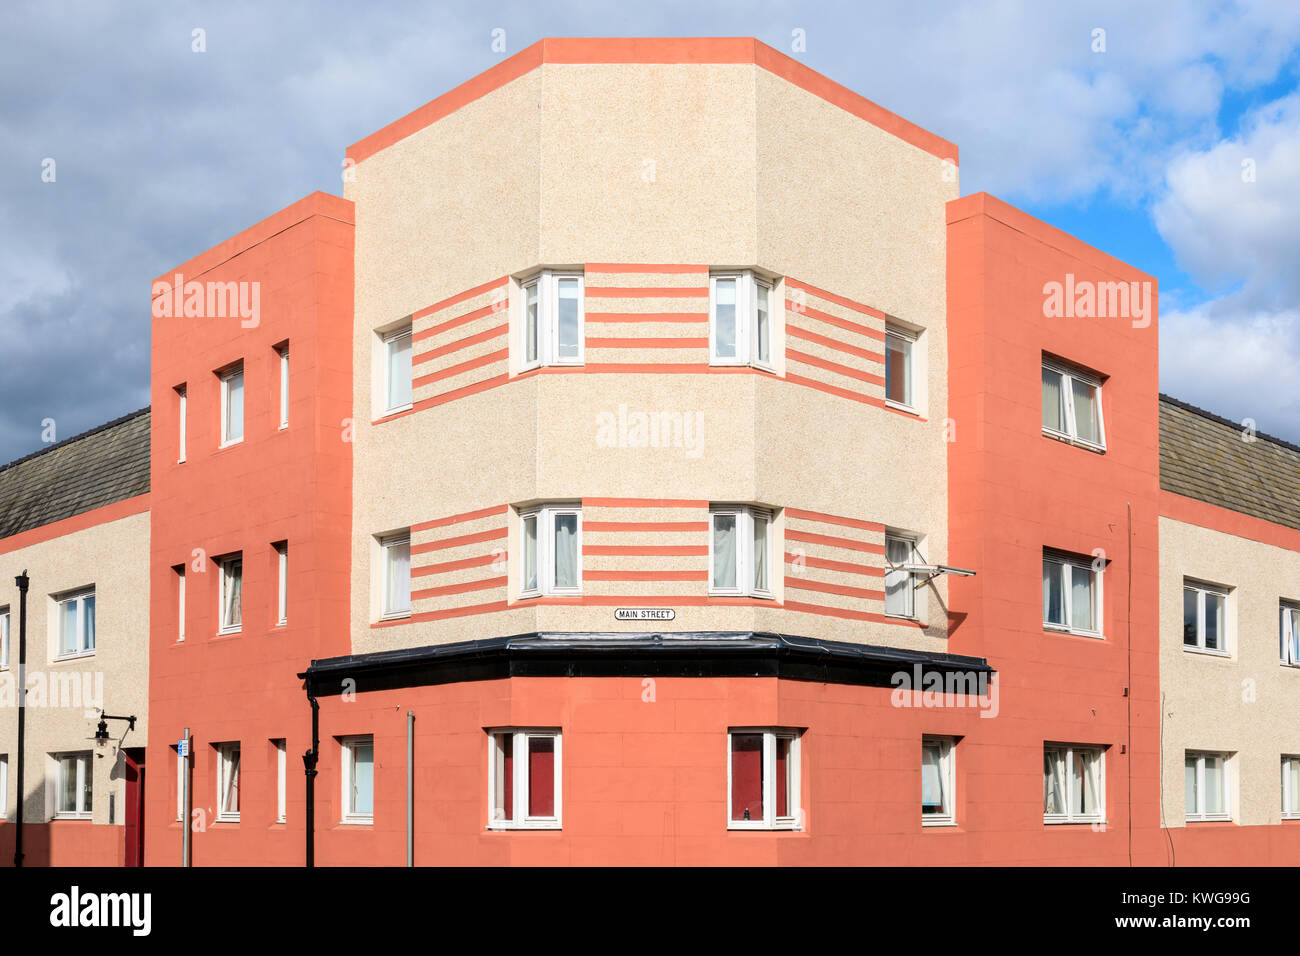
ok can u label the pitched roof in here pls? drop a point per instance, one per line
(1207, 457)
(90, 470)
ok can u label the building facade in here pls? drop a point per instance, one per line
(651, 459)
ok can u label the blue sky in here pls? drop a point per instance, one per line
(161, 152)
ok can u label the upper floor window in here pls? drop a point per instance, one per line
(4, 637)
(397, 370)
(179, 572)
(763, 779)
(232, 405)
(283, 353)
(282, 582)
(228, 782)
(1074, 786)
(740, 320)
(1071, 593)
(181, 423)
(937, 778)
(900, 594)
(76, 623)
(231, 595)
(279, 745)
(358, 779)
(1204, 618)
(740, 550)
(74, 776)
(1072, 405)
(551, 548)
(898, 366)
(1289, 633)
(553, 326)
(395, 550)
(524, 780)
(1206, 786)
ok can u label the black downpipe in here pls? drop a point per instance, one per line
(22, 582)
(309, 764)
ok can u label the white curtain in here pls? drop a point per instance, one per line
(762, 344)
(399, 577)
(232, 782)
(234, 593)
(1053, 404)
(1053, 785)
(566, 551)
(760, 553)
(932, 796)
(399, 370)
(724, 324)
(1085, 411)
(898, 584)
(530, 553)
(1053, 596)
(235, 407)
(724, 551)
(1081, 598)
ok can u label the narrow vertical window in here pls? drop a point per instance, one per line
(231, 569)
(228, 758)
(179, 572)
(282, 583)
(182, 415)
(1291, 787)
(4, 787)
(397, 370)
(232, 406)
(358, 779)
(898, 366)
(284, 386)
(763, 779)
(4, 637)
(396, 552)
(1289, 633)
(900, 595)
(524, 779)
(281, 779)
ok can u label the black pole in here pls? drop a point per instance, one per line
(22, 582)
(309, 764)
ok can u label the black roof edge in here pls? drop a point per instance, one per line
(1219, 419)
(121, 419)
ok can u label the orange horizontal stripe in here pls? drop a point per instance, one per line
(676, 343)
(467, 586)
(459, 344)
(458, 519)
(462, 392)
(800, 309)
(647, 292)
(835, 390)
(832, 297)
(806, 359)
(645, 526)
(659, 600)
(685, 317)
(834, 541)
(834, 519)
(441, 544)
(461, 297)
(844, 590)
(849, 615)
(457, 322)
(442, 615)
(795, 332)
(396, 415)
(641, 267)
(912, 415)
(478, 562)
(644, 503)
(645, 575)
(499, 355)
(647, 550)
(826, 564)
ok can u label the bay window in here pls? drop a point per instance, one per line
(1072, 406)
(1074, 785)
(1206, 786)
(763, 782)
(740, 320)
(1204, 613)
(740, 551)
(524, 780)
(553, 325)
(550, 543)
(1072, 594)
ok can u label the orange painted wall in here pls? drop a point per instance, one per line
(289, 485)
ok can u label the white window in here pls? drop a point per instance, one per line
(553, 320)
(4, 637)
(74, 775)
(1072, 406)
(232, 406)
(228, 782)
(1204, 618)
(524, 781)
(1071, 594)
(76, 623)
(900, 594)
(284, 386)
(550, 542)
(740, 320)
(763, 781)
(181, 423)
(395, 552)
(358, 779)
(740, 551)
(1289, 633)
(397, 370)
(1074, 784)
(281, 779)
(282, 583)
(937, 781)
(1206, 778)
(231, 570)
(179, 571)
(899, 366)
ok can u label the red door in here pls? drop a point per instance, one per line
(134, 815)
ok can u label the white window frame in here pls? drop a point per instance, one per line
(1066, 560)
(284, 386)
(226, 762)
(1070, 433)
(1200, 756)
(745, 515)
(387, 341)
(793, 820)
(79, 598)
(545, 541)
(1290, 798)
(891, 568)
(909, 339)
(85, 768)
(1071, 814)
(1202, 589)
(747, 286)
(4, 787)
(947, 781)
(4, 638)
(1289, 633)
(180, 602)
(227, 377)
(386, 544)
(547, 283)
(182, 412)
(347, 747)
(521, 784)
(281, 778)
(224, 577)
(282, 583)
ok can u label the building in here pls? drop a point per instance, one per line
(573, 491)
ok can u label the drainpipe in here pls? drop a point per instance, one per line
(410, 788)
(309, 764)
(186, 798)
(22, 582)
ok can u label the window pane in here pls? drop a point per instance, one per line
(567, 318)
(1291, 769)
(235, 406)
(747, 777)
(230, 781)
(762, 333)
(1053, 784)
(1213, 621)
(530, 553)
(724, 317)
(541, 776)
(1086, 425)
(232, 597)
(783, 782)
(1081, 616)
(1053, 401)
(1291, 617)
(1214, 785)
(932, 795)
(504, 797)
(724, 551)
(88, 622)
(87, 783)
(1053, 592)
(898, 584)
(1189, 616)
(898, 369)
(399, 370)
(398, 591)
(363, 777)
(68, 627)
(1189, 780)
(67, 784)
(566, 551)
(530, 323)
(284, 387)
(760, 553)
